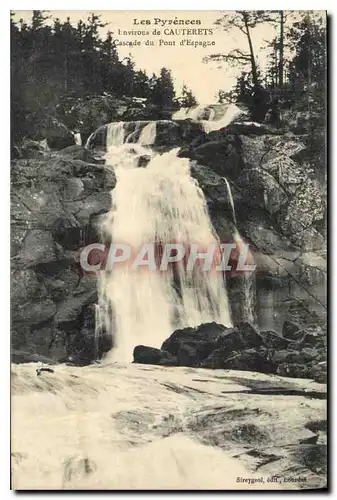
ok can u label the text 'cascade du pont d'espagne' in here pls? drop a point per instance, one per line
(159, 28)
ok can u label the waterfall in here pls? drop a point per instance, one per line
(249, 297)
(158, 204)
(248, 280)
(148, 134)
(231, 201)
(114, 134)
(78, 139)
(193, 113)
(231, 113)
(217, 115)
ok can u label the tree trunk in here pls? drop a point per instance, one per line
(281, 61)
(251, 51)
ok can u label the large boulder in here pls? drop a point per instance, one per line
(57, 135)
(152, 356)
(193, 345)
(242, 347)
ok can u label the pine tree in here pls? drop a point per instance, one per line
(187, 99)
(163, 89)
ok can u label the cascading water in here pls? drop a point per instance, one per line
(115, 134)
(248, 279)
(159, 204)
(211, 118)
(148, 134)
(78, 139)
(193, 113)
(231, 200)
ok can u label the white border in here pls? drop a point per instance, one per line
(5, 180)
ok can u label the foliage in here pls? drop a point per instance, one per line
(55, 62)
(187, 99)
(291, 91)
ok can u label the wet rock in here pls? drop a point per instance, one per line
(291, 330)
(214, 188)
(70, 309)
(273, 340)
(310, 340)
(319, 372)
(296, 370)
(18, 357)
(241, 347)
(248, 359)
(192, 345)
(240, 337)
(152, 356)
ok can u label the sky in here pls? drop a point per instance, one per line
(185, 62)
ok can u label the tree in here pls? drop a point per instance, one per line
(244, 22)
(187, 99)
(56, 65)
(307, 76)
(281, 51)
(162, 89)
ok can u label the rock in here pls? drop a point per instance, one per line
(309, 240)
(215, 360)
(248, 360)
(193, 345)
(291, 330)
(58, 136)
(26, 286)
(50, 225)
(70, 309)
(33, 313)
(296, 370)
(304, 209)
(242, 336)
(33, 149)
(310, 340)
(222, 156)
(319, 372)
(273, 340)
(214, 189)
(267, 175)
(18, 357)
(151, 356)
(286, 356)
(80, 153)
(38, 247)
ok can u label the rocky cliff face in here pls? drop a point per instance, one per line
(272, 183)
(57, 199)
(56, 205)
